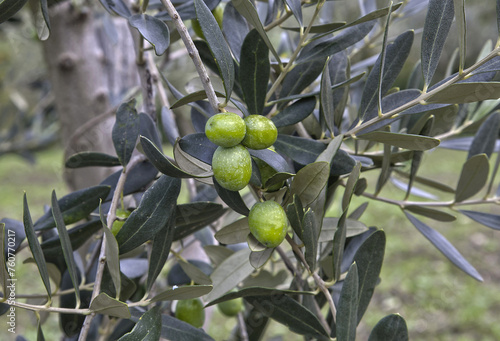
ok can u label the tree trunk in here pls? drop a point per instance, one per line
(91, 68)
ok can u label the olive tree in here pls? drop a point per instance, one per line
(110, 256)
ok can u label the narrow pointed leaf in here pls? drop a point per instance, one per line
(369, 259)
(310, 237)
(35, 248)
(331, 150)
(112, 257)
(160, 250)
(75, 206)
(235, 23)
(125, 131)
(199, 146)
(229, 273)
(379, 80)
(486, 137)
(193, 97)
(259, 258)
(295, 214)
(437, 25)
(300, 77)
(338, 245)
(295, 113)
(174, 329)
(487, 219)
(256, 291)
(417, 155)
(473, 177)
(232, 199)
(390, 328)
(347, 311)
(406, 141)
(296, 8)
(431, 213)
(163, 163)
(381, 61)
(326, 48)
(195, 273)
(116, 6)
(78, 235)
(154, 30)
(254, 71)
(350, 186)
(248, 10)
(148, 328)
(8, 8)
(339, 72)
(218, 46)
(151, 216)
(234, 233)
(197, 213)
(309, 181)
(103, 304)
(443, 245)
(326, 99)
(182, 293)
(459, 6)
(91, 159)
(290, 313)
(66, 246)
(470, 92)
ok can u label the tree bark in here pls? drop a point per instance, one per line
(91, 68)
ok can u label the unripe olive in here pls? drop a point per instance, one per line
(225, 129)
(122, 215)
(261, 132)
(268, 223)
(232, 167)
(191, 311)
(232, 307)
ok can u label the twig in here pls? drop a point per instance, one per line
(102, 256)
(319, 282)
(424, 96)
(193, 53)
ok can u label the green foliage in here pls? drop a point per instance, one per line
(312, 135)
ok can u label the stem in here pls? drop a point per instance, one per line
(193, 53)
(319, 282)
(102, 256)
(450, 204)
(33, 307)
(424, 96)
(290, 65)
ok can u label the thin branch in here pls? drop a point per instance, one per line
(193, 53)
(102, 256)
(424, 96)
(290, 65)
(319, 282)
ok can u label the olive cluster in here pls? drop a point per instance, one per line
(232, 167)
(231, 162)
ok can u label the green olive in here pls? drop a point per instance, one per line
(122, 215)
(232, 167)
(225, 129)
(268, 223)
(261, 132)
(191, 311)
(232, 307)
(218, 13)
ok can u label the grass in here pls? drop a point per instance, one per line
(438, 301)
